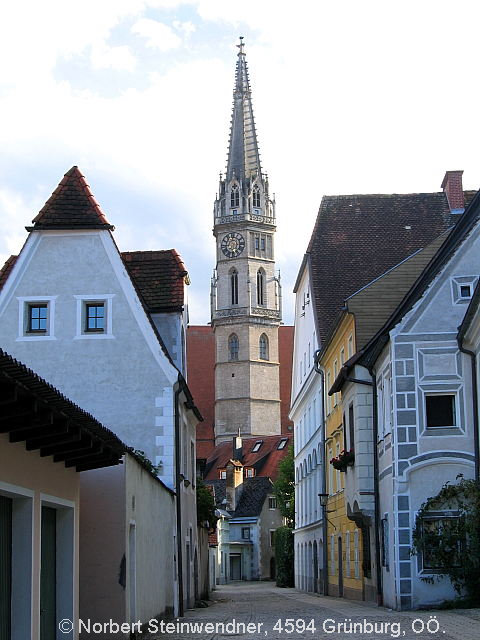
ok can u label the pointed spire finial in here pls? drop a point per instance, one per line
(240, 47)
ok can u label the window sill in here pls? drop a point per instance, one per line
(31, 338)
(95, 336)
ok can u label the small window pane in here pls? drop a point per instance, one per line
(95, 317)
(37, 318)
(440, 410)
(465, 291)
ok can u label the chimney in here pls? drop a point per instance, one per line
(233, 484)
(238, 448)
(453, 189)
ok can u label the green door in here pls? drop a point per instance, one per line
(5, 567)
(48, 574)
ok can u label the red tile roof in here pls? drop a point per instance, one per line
(265, 461)
(357, 238)
(71, 206)
(6, 269)
(201, 380)
(159, 277)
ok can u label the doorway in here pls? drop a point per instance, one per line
(235, 566)
(5, 567)
(48, 574)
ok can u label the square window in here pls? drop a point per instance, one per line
(465, 291)
(438, 534)
(37, 319)
(440, 410)
(95, 317)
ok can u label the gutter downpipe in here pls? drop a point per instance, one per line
(324, 479)
(476, 434)
(177, 391)
(376, 491)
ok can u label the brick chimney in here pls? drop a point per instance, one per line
(234, 484)
(453, 189)
(238, 448)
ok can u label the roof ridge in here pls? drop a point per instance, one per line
(72, 205)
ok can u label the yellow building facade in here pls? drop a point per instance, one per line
(344, 539)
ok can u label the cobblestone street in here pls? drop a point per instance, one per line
(262, 605)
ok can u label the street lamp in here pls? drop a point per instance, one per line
(323, 499)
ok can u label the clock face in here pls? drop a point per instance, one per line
(233, 244)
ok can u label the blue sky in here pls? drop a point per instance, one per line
(349, 97)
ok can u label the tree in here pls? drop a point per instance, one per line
(450, 543)
(284, 488)
(284, 557)
(205, 506)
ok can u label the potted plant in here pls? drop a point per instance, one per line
(345, 459)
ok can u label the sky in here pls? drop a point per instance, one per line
(350, 96)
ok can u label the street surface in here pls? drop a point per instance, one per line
(261, 605)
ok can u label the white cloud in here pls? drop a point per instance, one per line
(158, 35)
(119, 58)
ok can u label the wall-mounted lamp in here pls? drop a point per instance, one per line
(323, 499)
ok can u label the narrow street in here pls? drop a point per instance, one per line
(261, 605)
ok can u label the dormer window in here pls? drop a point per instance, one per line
(281, 445)
(256, 196)
(256, 446)
(249, 472)
(222, 474)
(234, 196)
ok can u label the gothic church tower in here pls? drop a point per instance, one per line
(246, 293)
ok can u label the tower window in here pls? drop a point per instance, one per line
(233, 348)
(262, 244)
(234, 286)
(234, 196)
(257, 242)
(260, 287)
(256, 196)
(263, 347)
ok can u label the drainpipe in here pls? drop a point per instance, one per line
(178, 482)
(324, 478)
(476, 435)
(376, 491)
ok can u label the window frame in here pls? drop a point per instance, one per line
(272, 500)
(25, 303)
(435, 516)
(434, 428)
(247, 536)
(83, 302)
(263, 350)
(233, 347)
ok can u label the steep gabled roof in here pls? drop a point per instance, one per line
(159, 276)
(6, 269)
(265, 461)
(71, 206)
(465, 225)
(356, 238)
(252, 497)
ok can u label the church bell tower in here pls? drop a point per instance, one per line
(246, 292)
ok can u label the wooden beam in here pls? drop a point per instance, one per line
(42, 419)
(8, 393)
(22, 407)
(72, 457)
(33, 435)
(111, 462)
(71, 448)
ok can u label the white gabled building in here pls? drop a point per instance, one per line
(72, 309)
(306, 413)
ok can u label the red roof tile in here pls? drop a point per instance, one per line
(71, 206)
(201, 380)
(265, 461)
(159, 277)
(6, 269)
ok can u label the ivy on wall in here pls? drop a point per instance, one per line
(446, 537)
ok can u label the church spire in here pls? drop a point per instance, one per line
(243, 156)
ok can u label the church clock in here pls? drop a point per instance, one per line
(233, 244)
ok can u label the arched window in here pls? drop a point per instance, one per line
(261, 287)
(263, 347)
(233, 347)
(256, 196)
(234, 196)
(234, 286)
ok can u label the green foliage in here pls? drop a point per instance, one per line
(454, 547)
(146, 462)
(284, 487)
(205, 506)
(284, 557)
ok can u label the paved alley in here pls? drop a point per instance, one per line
(260, 610)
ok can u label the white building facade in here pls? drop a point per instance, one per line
(307, 415)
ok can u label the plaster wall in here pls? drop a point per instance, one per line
(270, 520)
(120, 378)
(32, 481)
